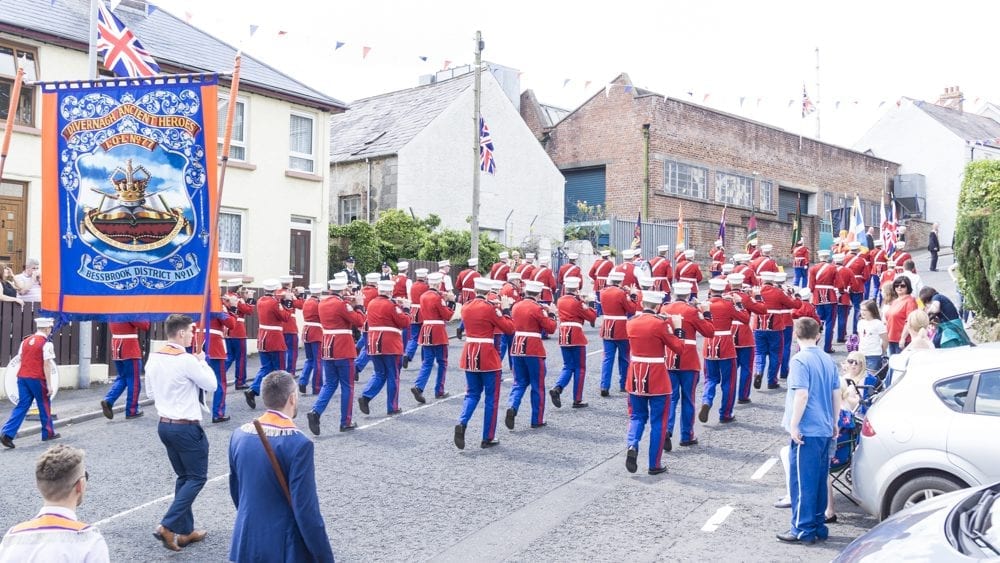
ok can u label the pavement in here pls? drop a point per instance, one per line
(398, 488)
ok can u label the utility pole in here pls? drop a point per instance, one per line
(475, 147)
(85, 343)
(817, 95)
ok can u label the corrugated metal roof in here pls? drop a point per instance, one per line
(381, 125)
(968, 126)
(168, 38)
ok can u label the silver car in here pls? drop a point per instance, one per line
(935, 430)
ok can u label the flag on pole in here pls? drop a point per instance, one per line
(797, 223)
(888, 228)
(807, 105)
(637, 233)
(487, 163)
(856, 229)
(722, 226)
(122, 52)
(680, 224)
(752, 230)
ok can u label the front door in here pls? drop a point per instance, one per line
(300, 253)
(13, 225)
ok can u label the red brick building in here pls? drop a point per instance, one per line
(635, 150)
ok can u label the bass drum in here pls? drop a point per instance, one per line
(10, 378)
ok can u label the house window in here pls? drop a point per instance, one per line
(350, 208)
(874, 220)
(733, 189)
(767, 195)
(238, 140)
(827, 201)
(231, 241)
(686, 180)
(302, 143)
(25, 112)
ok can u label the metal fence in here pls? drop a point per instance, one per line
(653, 235)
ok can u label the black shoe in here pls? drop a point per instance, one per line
(621, 389)
(459, 333)
(605, 393)
(460, 436)
(757, 378)
(395, 412)
(55, 436)
(418, 394)
(489, 443)
(508, 420)
(743, 401)
(789, 537)
(703, 412)
(357, 376)
(667, 444)
(539, 425)
(136, 415)
(841, 340)
(444, 395)
(727, 420)
(657, 470)
(406, 362)
(7, 441)
(241, 387)
(106, 409)
(691, 442)
(774, 386)
(363, 404)
(579, 404)
(556, 399)
(302, 389)
(251, 398)
(830, 351)
(631, 460)
(830, 520)
(313, 418)
(349, 427)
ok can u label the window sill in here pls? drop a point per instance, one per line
(239, 164)
(303, 175)
(26, 129)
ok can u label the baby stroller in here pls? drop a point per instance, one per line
(875, 382)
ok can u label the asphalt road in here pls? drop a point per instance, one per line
(397, 488)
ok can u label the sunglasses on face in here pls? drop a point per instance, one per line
(853, 362)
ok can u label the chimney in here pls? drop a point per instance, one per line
(137, 6)
(951, 98)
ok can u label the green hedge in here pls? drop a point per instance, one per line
(977, 237)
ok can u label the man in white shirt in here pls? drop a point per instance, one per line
(173, 378)
(29, 282)
(55, 534)
(910, 271)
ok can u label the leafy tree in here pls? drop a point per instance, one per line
(977, 237)
(587, 223)
(357, 239)
(401, 235)
(456, 246)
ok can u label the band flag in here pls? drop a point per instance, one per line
(680, 224)
(129, 172)
(797, 223)
(722, 226)
(637, 233)
(752, 230)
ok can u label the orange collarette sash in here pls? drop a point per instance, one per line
(49, 522)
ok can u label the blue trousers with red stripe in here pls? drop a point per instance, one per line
(337, 373)
(128, 380)
(744, 361)
(801, 277)
(767, 344)
(651, 408)
(291, 352)
(477, 384)
(428, 355)
(29, 390)
(529, 371)
(236, 353)
(411, 341)
(574, 366)
(269, 361)
(313, 367)
(684, 384)
(826, 314)
(386, 375)
(505, 341)
(856, 299)
(786, 350)
(218, 366)
(363, 358)
(610, 348)
(721, 373)
(842, 311)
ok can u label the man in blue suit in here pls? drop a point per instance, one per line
(267, 527)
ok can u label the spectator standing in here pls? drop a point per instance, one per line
(910, 271)
(29, 282)
(897, 311)
(873, 339)
(933, 246)
(10, 286)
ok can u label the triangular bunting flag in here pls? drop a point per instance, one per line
(365, 51)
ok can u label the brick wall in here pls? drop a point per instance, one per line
(607, 130)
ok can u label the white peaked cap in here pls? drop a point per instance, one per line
(544, 260)
(779, 277)
(645, 281)
(402, 266)
(663, 248)
(735, 279)
(605, 253)
(444, 263)
(573, 256)
(532, 286)
(628, 253)
(767, 248)
(901, 244)
(766, 276)
(718, 242)
(741, 257)
(854, 245)
(682, 288)
(340, 276)
(717, 284)
(727, 267)
(386, 286)
(571, 282)
(286, 279)
(902, 228)
(823, 253)
(679, 246)
(652, 297)
(435, 277)
(513, 276)
(373, 277)
(804, 293)
(420, 272)
(270, 284)
(530, 256)
(234, 282)
(503, 255)
(316, 288)
(473, 261)
(497, 284)
(483, 284)
(838, 258)
(337, 284)
(891, 261)
(616, 276)
(689, 253)
(44, 322)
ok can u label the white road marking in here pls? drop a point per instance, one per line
(763, 469)
(594, 353)
(717, 519)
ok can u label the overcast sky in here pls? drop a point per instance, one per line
(869, 52)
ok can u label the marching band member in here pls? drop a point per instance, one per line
(416, 290)
(527, 268)
(436, 309)
(446, 285)
(501, 267)
(290, 300)
(599, 275)
(743, 337)
(466, 289)
(627, 267)
(753, 252)
(768, 330)
(618, 306)
(215, 356)
(780, 278)
(368, 292)
(661, 270)
(900, 255)
(720, 350)
(543, 275)
(236, 339)
(678, 251)
(718, 258)
(339, 316)
(823, 286)
(127, 355)
(312, 336)
(807, 309)
(879, 263)
(568, 270)
(688, 271)
(684, 365)
(271, 346)
(386, 321)
(800, 261)
(572, 312)
(764, 262)
(858, 265)
(37, 353)
(512, 290)
(845, 279)
(531, 320)
(743, 267)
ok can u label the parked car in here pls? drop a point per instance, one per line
(960, 526)
(933, 431)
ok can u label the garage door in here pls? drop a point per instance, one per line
(583, 184)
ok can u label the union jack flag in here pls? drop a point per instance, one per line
(487, 163)
(807, 105)
(122, 52)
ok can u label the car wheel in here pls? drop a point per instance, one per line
(920, 489)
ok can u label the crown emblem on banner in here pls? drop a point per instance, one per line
(130, 183)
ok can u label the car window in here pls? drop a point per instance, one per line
(988, 395)
(953, 392)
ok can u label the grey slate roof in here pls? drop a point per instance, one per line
(169, 39)
(383, 124)
(968, 126)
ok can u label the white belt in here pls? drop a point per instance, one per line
(433, 322)
(479, 340)
(659, 278)
(738, 323)
(775, 311)
(240, 320)
(645, 360)
(724, 332)
(414, 306)
(786, 311)
(338, 331)
(578, 325)
(689, 279)
(317, 325)
(825, 287)
(613, 318)
(269, 327)
(690, 342)
(124, 336)
(528, 334)
(859, 276)
(385, 329)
